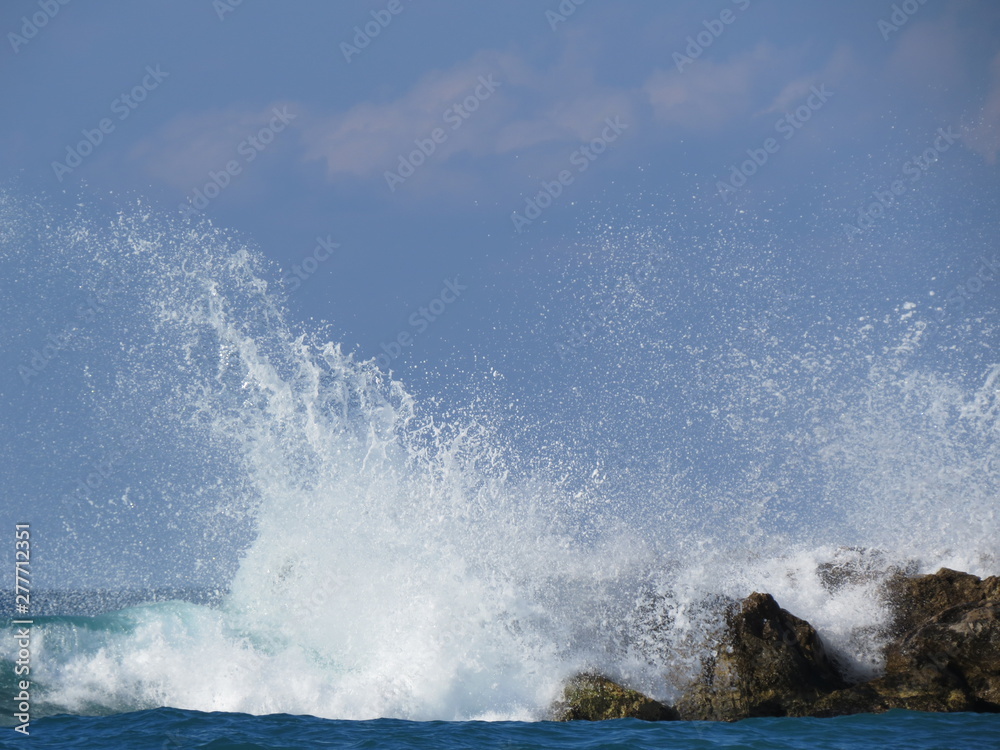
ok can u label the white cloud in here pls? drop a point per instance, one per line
(928, 57)
(183, 150)
(707, 95)
(840, 65)
(529, 107)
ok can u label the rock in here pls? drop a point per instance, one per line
(918, 599)
(591, 697)
(946, 654)
(959, 647)
(887, 693)
(769, 663)
(943, 655)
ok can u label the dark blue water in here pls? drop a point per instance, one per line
(173, 729)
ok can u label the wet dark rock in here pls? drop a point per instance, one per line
(887, 693)
(959, 647)
(917, 599)
(768, 663)
(943, 654)
(590, 697)
(949, 663)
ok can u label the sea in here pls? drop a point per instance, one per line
(245, 534)
(173, 729)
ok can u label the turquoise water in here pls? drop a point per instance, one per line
(170, 729)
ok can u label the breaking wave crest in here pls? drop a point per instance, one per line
(385, 557)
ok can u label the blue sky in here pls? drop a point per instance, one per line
(383, 175)
(324, 173)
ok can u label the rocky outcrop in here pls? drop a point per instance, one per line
(919, 598)
(961, 643)
(591, 697)
(951, 662)
(943, 655)
(769, 663)
(945, 651)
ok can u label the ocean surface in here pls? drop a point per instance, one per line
(174, 729)
(289, 548)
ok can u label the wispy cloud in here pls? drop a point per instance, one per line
(185, 148)
(928, 57)
(544, 105)
(839, 66)
(530, 107)
(709, 95)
